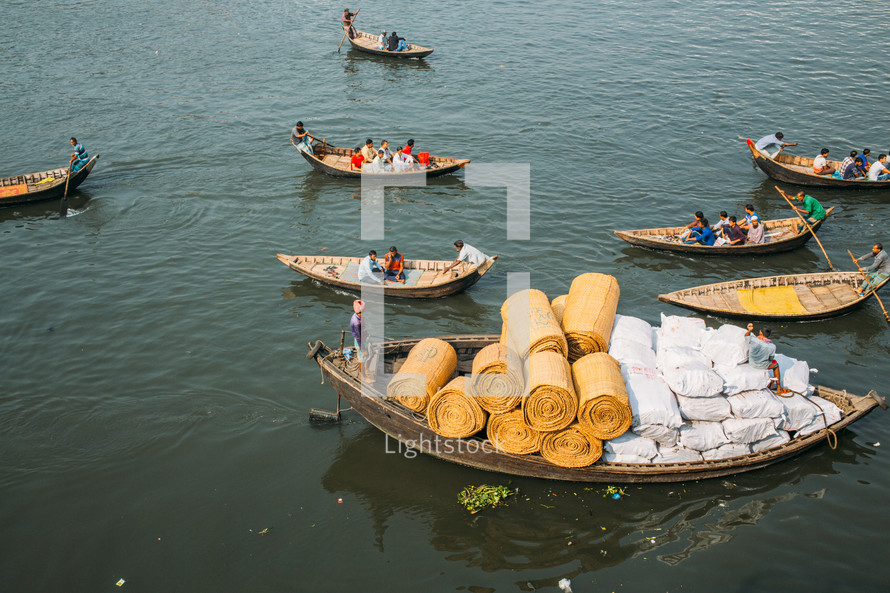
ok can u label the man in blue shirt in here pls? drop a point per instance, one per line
(79, 157)
(772, 144)
(750, 214)
(702, 236)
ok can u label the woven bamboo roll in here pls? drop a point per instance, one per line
(503, 338)
(454, 414)
(551, 403)
(558, 306)
(497, 386)
(527, 314)
(508, 432)
(429, 366)
(571, 447)
(589, 314)
(603, 406)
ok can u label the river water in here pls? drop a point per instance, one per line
(155, 395)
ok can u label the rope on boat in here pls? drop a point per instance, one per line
(830, 435)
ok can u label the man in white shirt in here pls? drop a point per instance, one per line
(820, 163)
(771, 145)
(367, 268)
(387, 153)
(401, 162)
(379, 164)
(469, 254)
(381, 40)
(878, 171)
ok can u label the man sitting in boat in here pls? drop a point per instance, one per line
(812, 210)
(750, 214)
(762, 353)
(820, 163)
(879, 171)
(755, 231)
(402, 162)
(851, 170)
(355, 163)
(300, 138)
(702, 236)
(396, 43)
(387, 153)
(865, 164)
(733, 232)
(381, 40)
(368, 151)
(79, 157)
(771, 145)
(379, 164)
(367, 267)
(694, 225)
(721, 224)
(394, 266)
(469, 254)
(878, 271)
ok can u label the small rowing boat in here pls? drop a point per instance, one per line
(796, 297)
(44, 185)
(368, 43)
(412, 429)
(335, 161)
(424, 278)
(779, 235)
(799, 170)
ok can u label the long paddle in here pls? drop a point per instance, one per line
(346, 29)
(873, 289)
(63, 206)
(804, 220)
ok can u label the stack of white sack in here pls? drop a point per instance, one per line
(795, 374)
(826, 415)
(629, 448)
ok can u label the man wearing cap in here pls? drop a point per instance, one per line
(755, 231)
(772, 144)
(355, 326)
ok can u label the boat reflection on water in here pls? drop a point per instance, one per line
(571, 528)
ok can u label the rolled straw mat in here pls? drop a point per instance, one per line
(603, 406)
(496, 385)
(590, 313)
(558, 305)
(551, 403)
(429, 366)
(503, 338)
(571, 447)
(508, 432)
(454, 414)
(528, 316)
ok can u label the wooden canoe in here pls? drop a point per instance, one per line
(795, 297)
(424, 277)
(45, 185)
(367, 43)
(779, 235)
(412, 429)
(335, 161)
(799, 170)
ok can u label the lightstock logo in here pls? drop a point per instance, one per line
(517, 216)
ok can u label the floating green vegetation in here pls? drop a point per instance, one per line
(475, 498)
(614, 492)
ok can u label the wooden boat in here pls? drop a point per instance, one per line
(795, 297)
(335, 161)
(367, 43)
(45, 185)
(424, 277)
(799, 170)
(412, 429)
(780, 235)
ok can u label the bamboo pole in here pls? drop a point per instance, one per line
(804, 220)
(873, 289)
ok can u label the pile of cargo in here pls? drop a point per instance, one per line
(573, 381)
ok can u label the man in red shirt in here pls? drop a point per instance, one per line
(355, 164)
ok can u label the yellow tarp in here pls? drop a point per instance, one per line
(774, 300)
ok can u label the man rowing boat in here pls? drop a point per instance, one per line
(878, 271)
(771, 145)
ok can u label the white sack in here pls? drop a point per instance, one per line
(726, 451)
(659, 433)
(743, 377)
(615, 458)
(676, 455)
(694, 380)
(828, 415)
(795, 374)
(681, 331)
(631, 444)
(632, 328)
(678, 356)
(780, 438)
(631, 352)
(702, 436)
(727, 346)
(756, 404)
(799, 412)
(650, 398)
(748, 430)
(713, 409)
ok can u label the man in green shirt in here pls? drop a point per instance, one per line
(812, 210)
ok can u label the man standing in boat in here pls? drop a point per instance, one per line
(878, 271)
(79, 157)
(762, 354)
(346, 20)
(812, 210)
(301, 139)
(771, 145)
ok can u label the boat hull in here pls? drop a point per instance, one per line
(777, 169)
(54, 190)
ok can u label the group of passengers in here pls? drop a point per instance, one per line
(383, 160)
(727, 231)
(855, 166)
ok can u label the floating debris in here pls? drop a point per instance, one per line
(475, 498)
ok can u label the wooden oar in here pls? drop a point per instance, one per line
(873, 288)
(346, 29)
(63, 206)
(804, 220)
